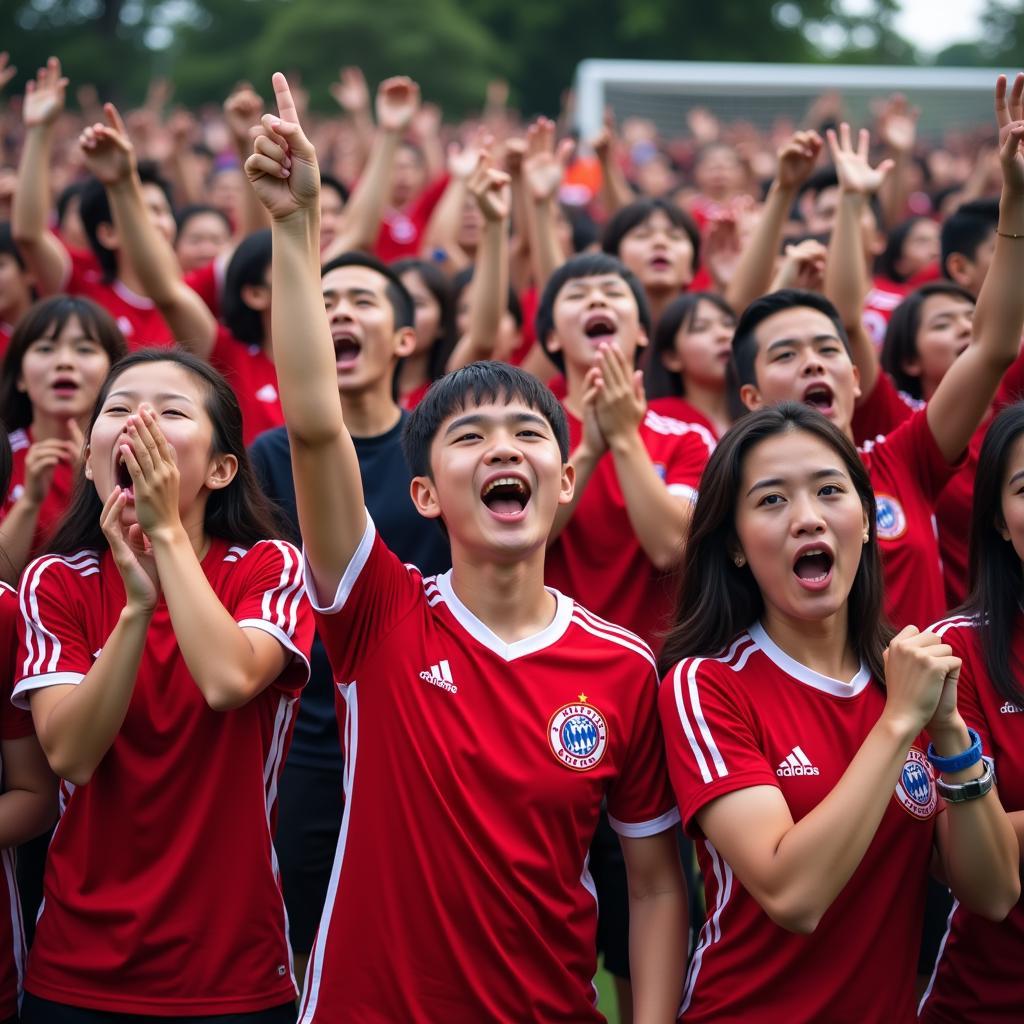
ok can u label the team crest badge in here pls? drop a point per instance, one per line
(915, 789)
(890, 519)
(578, 735)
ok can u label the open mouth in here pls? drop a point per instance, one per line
(814, 567)
(661, 263)
(819, 396)
(600, 325)
(506, 496)
(122, 477)
(64, 386)
(346, 350)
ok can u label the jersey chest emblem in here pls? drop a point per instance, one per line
(915, 789)
(890, 519)
(578, 735)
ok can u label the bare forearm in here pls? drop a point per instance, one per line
(488, 298)
(544, 246)
(254, 214)
(657, 954)
(16, 533)
(659, 519)
(584, 461)
(756, 265)
(31, 207)
(615, 190)
(442, 228)
(25, 814)
(1000, 311)
(895, 190)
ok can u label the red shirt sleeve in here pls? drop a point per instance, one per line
(913, 445)
(689, 457)
(273, 600)
(710, 739)
(882, 411)
(15, 723)
(205, 283)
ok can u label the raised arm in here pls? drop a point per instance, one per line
(544, 171)
(489, 295)
(111, 157)
(615, 189)
(242, 112)
(897, 128)
(328, 487)
(398, 99)
(757, 264)
(846, 283)
(43, 254)
(352, 94)
(441, 232)
(966, 391)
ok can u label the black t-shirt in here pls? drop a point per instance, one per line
(414, 539)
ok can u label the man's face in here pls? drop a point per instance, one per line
(801, 358)
(366, 343)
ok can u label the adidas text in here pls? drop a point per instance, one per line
(440, 675)
(1009, 708)
(789, 770)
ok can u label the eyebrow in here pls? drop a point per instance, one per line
(781, 342)
(162, 397)
(1016, 476)
(778, 481)
(354, 293)
(475, 419)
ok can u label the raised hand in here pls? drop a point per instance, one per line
(1010, 118)
(398, 99)
(803, 266)
(797, 159)
(40, 462)
(152, 465)
(919, 669)
(515, 154)
(107, 151)
(544, 166)
(620, 402)
(852, 167)
(132, 554)
(282, 168)
(44, 97)
(243, 110)
(491, 189)
(462, 160)
(351, 92)
(592, 436)
(7, 70)
(897, 123)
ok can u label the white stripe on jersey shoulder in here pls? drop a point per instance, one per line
(599, 627)
(235, 553)
(689, 717)
(954, 621)
(669, 425)
(360, 557)
(19, 440)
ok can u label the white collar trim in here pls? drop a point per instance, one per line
(803, 674)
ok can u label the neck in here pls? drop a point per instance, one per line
(574, 378)
(371, 411)
(712, 401)
(127, 276)
(48, 428)
(508, 597)
(193, 524)
(412, 373)
(658, 301)
(823, 645)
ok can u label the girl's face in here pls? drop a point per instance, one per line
(659, 253)
(203, 238)
(1012, 507)
(703, 346)
(920, 248)
(428, 311)
(944, 332)
(800, 526)
(178, 400)
(62, 373)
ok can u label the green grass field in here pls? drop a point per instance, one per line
(607, 1003)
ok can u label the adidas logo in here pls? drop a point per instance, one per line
(440, 675)
(1009, 708)
(796, 763)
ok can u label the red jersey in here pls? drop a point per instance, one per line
(411, 399)
(6, 330)
(253, 378)
(15, 724)
(474, 775)
(756, 717)
(161, 892)
(401, 231)
(208, 283)
(57, 498)
(908, 472)
(977, 974)
(141, 323)
(678, 408)
(883, 410)
(597, 557)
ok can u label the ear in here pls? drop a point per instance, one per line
(423, 492)
(671, 360)
(911, 367)
(856, 383)
(567, 485)
(222, 470)
(256, 296)
(87, 461)
(958, 268)
(403, 342)
(751, 397)
(106, 235)
(1000, 525)
(641, 337)
(552, 343)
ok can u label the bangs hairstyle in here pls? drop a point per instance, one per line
(402, 306)
(900, 345)
(46, 319)
(187, 213)
(744, 341)
(248, 266)
(239, 513)
(893, 252)
(439, 287)
(996, 579)
(967, 229)
(591, 264)
(659, 380)
(634, 214)
(718, 599)
(476, 384)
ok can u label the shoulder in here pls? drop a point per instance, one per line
(270, 553)
(58, 573)
(717, 670)
(615, 640)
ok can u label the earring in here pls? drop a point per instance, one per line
(739, 561)
(867, 537)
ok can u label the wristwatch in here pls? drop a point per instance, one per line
(964, 791)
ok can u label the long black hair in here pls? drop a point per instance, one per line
(239, 513)
(996, 578)
(717, 599)
(440, 287)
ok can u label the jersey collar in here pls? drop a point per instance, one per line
(792, 667)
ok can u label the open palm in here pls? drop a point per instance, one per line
(44, 97)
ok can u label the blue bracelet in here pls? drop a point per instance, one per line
(971, 756)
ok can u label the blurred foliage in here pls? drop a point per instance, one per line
(452, 47)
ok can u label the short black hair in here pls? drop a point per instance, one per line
(967, 229)
(248, 266)
(335, 184)
(635, 213)
(186, 213)
(484, 381)
(460, 282)
(67, 195)
(94, 209)
(7, 244)
(437, 283)
(402, 305)
(744, 342)
(588, 264)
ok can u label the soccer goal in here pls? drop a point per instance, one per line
(949, 98)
